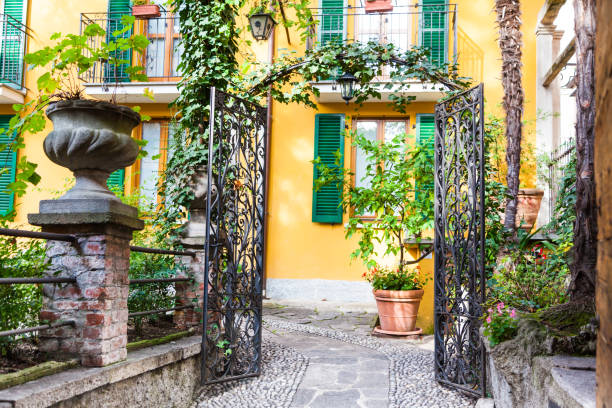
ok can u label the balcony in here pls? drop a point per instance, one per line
(103, 81)
(13, 39)
(407, 25)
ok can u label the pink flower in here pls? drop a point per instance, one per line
(500, 307)
(488, 319)
(490, 310)
(513, 313)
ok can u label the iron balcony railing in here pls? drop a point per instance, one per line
(160, 60)
(13, 38)
(557, 170)
(405, 26)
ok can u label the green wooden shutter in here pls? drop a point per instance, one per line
(329, 138)
(117, 9)
(13, 43)
(8, 164)
(331, 25)
(434, 30)
(116, 180)
(425, 137)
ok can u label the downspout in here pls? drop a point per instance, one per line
(271, 46)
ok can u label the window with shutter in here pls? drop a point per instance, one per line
(329, 138)
(8, 164)
(332, 24)
(116, 180)
(434, 29)
(13, 43)
(116, 10)
(425, 137)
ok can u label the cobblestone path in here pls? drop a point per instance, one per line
(316, 356)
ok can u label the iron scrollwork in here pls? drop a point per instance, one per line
(460, 242)
(231, 346)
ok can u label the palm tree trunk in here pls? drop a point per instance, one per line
(582, 284)
(510, 42)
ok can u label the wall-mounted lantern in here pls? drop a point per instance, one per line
(347, 86)
(261, 25)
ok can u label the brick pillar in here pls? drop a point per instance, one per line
(191, 293)
(97, 303)
(603, 182)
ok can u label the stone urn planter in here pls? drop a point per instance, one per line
(378, 6)
(397, 310)
(92, 139)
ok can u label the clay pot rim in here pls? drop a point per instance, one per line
(531, 192)
(88, 104)
(398, 294)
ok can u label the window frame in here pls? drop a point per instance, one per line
(164, 134)
(380, 137)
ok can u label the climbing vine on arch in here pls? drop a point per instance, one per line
(214, 41)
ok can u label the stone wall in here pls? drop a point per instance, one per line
(603, 177)
(167, 375)
(541, 382)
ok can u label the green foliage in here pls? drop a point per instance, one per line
(19, 304)
(500, 324)
(290, 78)
(210, 37)
(389, 209)
(530, 276)
(406, 278)
(149, 296)
(61, 64)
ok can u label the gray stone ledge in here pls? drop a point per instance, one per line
(86, 211)
(69, 384)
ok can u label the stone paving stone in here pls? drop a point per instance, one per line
(330, 399)
(328, 358)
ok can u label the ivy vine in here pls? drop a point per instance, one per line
(211, 38)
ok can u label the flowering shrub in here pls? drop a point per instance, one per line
(500, 324)
(385, 278)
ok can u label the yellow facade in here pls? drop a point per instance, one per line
(297, 248)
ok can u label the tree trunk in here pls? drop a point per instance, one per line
(583, 271)
(510, 42)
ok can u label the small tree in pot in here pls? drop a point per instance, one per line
(397, 203)
(91, 138)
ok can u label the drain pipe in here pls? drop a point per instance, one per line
(271, 46)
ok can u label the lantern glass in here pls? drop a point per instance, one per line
(261, 25)
(347, 86)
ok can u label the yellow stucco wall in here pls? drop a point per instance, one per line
(297, 248)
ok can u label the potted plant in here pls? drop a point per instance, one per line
(378, 6)
(141, 9)
(398, 293)
(396, 204)
(91, 138)
(529, 201)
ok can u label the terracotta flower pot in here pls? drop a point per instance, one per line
(378, 6)
(529, 201)
(398, 309)
(146, 11)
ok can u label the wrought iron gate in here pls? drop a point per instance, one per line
(459, 242)
(231, 345)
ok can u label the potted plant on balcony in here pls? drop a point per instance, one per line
(91, 138)
(141, 9)
(378, 6)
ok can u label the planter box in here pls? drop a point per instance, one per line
(378, 6)
(146, 11)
